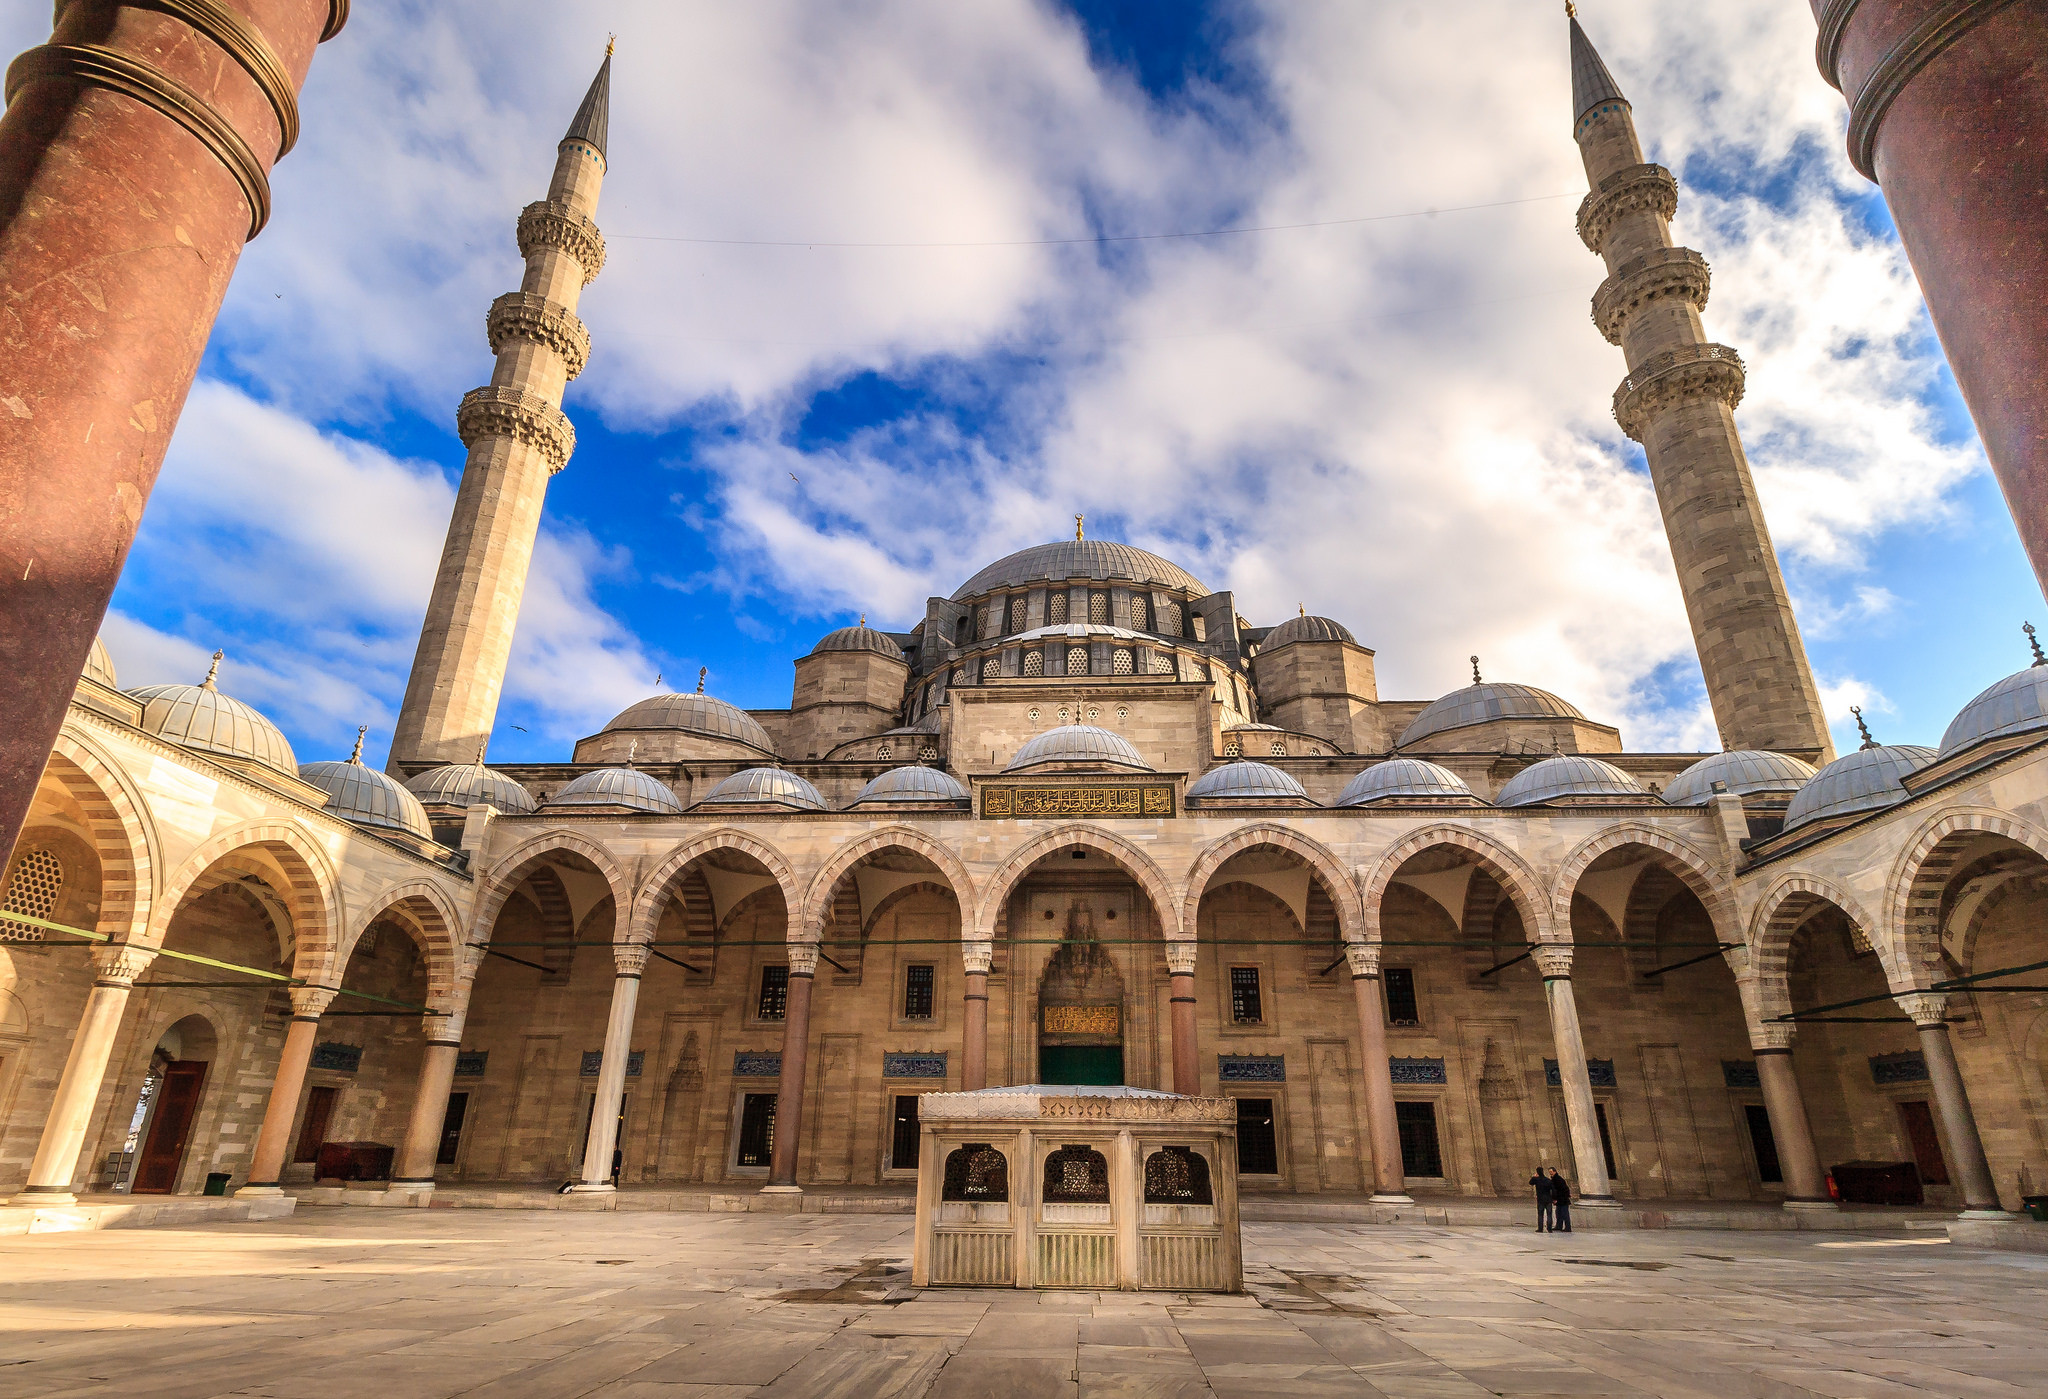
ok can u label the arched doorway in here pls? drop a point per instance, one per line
(167, 1110)
(1080, 994)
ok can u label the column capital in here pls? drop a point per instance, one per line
(803, 959)
(977, 957)
(1926, 1007)
(119, 963)
(311, 1002)
(1364, 958)
(1554, 960)
(1180, 958)
(629, 958)
(1773, 1036)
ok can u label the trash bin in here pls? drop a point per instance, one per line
(217, 1182)
(2036, 1207)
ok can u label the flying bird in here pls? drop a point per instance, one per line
(520, 727)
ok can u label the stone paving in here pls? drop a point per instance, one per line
(420, 1304)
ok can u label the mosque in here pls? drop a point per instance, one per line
(1084, 822)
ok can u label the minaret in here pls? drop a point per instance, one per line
(1679, 401)
(517, 438)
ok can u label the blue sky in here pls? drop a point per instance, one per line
(1399, 422)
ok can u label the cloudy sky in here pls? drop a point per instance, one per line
(896, 287)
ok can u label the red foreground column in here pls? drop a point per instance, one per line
(134, 162)
(1948, 112)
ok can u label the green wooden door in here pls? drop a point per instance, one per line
(1081, 1063)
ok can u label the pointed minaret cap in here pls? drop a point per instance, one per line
(593, 118)
(1592, 84)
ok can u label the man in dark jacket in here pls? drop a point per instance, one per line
(1560, 1203)
(1543, 1199)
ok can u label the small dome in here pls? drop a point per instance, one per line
(1745, 772)
(626, 787)
(766, 787)
(201, 718)
(1403, 777)
(913, 784)
(1479, 704)
(99, 665)
(1245, 781)
(471, 784)
(1568, 775)
(859, 638)
(2016, 704)
(1078, 743)
(1077, 631)
(1306, 628)
(1098, 559)
(1865, 780)
(698, 714)
(366, 797)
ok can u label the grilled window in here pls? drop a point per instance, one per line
(976, 1172)
(1034, 662)
(757, 1130)
(1077, 660)
(774, 993)
(917, 992)
(1419, 1153)
(1138, 611)
(903, 1142)
(1121, 663)
(1169, 619)
(1177, 1175)
(1056, 613)
(32, 892)
(1257, 1152)
(1076, 1175)
(1017, 606)
(1400, 986)
(1230, 749)
(1279, 748)
(992, 667)
(1245, 1005)
(1098, 608)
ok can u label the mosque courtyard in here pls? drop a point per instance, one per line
(419, 1304)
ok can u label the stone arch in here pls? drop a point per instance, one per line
(1911, 939)
(1135, 862)
(124, 836)
(897, 896)
(1322, 863)
(1999, 886)
(656, 888)
(1779, 915)
(1693, 869)
(312, 898)
(428, 916)
(510, 871)
(1508, 869)
(818, 901)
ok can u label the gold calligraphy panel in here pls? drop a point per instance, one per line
(1040, 803)
(1081, 1020)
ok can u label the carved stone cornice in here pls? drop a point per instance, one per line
(1683, 375)
(1924, 1007)
(310, 1002)
(524, 315)
(118, 964)
(803, 959)
(551, 223)
(629, 958)
(977, 957)
(1180, 958)
(1660, 273)
(1364, 958)
(1553, 960)
(1626, 191)
(498, 411)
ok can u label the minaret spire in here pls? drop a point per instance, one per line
(517, 438)
(1678, 400)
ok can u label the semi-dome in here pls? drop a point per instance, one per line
(1409, 778)
(99, 665)
(1245, 781)
(859, 638)
(766, 787)
(1078, 743)
(697, 714)
(366, 797)
(1564, 776)
(1480, 704)
(1100, 559)
(471, 784)
(913, 784)
(2016, 704)
(201, 718)
(1744, 772)
(626, 787)
(1865, 780)
(1307, 628)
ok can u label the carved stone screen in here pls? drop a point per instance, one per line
(1174, 1175)
(976, 1172)
(1077, 1175)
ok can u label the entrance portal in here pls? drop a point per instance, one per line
(1080, 1008)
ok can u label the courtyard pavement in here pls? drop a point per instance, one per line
(421, 1304)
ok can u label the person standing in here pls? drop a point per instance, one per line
(1560, 1203)
(1544, 1197)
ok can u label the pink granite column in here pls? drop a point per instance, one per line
(266, 1166)
(1806, 1185)
(1390, 1182)
(1187, 1071)
(789, 1092)
(978, 957)
(1959, 1124)
(1581, 1114)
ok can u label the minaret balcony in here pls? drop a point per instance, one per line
(1654, 276)
(553, 223)
(496, 410)
(1677, 376)
(523, 315)
(1627, 191)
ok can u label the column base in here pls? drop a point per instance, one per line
(1816, 1206)
(584, 1187)
(1596, 1202)
(43, 1195)
(1987, 1214)
(782, 1190)
(1392, 1200)
(258, 1191)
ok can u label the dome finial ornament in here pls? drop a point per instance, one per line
(212, 673)
(632, 751)
(2035, 642)
(702, 671)
(1571, 11)
(1077, 525)
(356, 755)
(481, 749)
(612, 41)
(1475, 672)
(863, 619)
(1862, 728)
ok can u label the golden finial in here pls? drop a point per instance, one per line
(356, 757)
(1077, 525)
(863, 619)
(212, 672)
(1571, 11)
(1475, 672)
(612, 42)
(702, 671)
(1301, 609)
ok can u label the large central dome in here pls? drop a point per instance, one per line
(1099, 559)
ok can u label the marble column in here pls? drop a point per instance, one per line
(266, 1167)
(1958, 1123)
(978, 957)
(1180, 962)
(1592, 1186)
(1389, 1183)
(1806, 1186)
(414, 1168)
(55, 1168)
(629, 961)
(789, 1092)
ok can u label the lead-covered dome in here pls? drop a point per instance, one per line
(2016, 704)
(1568, 777)
(1744, 772)
(1245, 781)
(923, 785)
(1866, 780)
(697, 714)
(616, 787)
(1078, 743)
(1101, 560)
(364, 796)
(1481, 704)
(99, 665)
(471, 784)
(766, 787)
(203, 719)
(1405, 778)
(1306, 628)
(859, 638)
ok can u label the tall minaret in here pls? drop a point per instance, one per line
(517, 438)
(1679, 401)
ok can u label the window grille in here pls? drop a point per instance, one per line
(917, 992)
(1138, 611)
(1230, 749)
(1098, 608)
(928, 753)
(1246, 1007)
(774, 993)
(976, 1172)
(1076, 1175)
(1120, 661)
(1017, 612)
(1077, 660)
(757, 1130)
(1258, 1154)
(1169, 619)
(882, 753)
(1279, 749)
(1176, 1175)
(1123, 712)
(1400, 986)
(992, 667)
(1056, 610)
(903, 1143)
(38, 879)
(1162, 663)
(1419, 1153)
(1034, 662)
(960, 675)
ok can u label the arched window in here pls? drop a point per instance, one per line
(1162, 663)
(38, 879)
(992, 667)
(1177, 1175)
(1076, 1175)
(1169, 619)
(1017, 613)
(1230, 748)
(1138, 611)
(1077, 660)
(1120, 661)
(928, 754)
(1098, 608)
(960, 675)
(976, 1173)
(1056, 608)
(882, 754)
(1034, 662)
(1279, 748)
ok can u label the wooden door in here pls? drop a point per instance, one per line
(1920, 1135)
(177, 1104)
(451, 1128)
(313, 1131)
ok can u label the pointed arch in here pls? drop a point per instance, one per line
(1135, 862)
(1693, 868)
(124, 836)
(1919, 878)
(429, 918)
(1342, 891)
(819, 900)
(657, 887)
(1508, 869)
(312, 896)
(508, 873)
(1786, 906)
